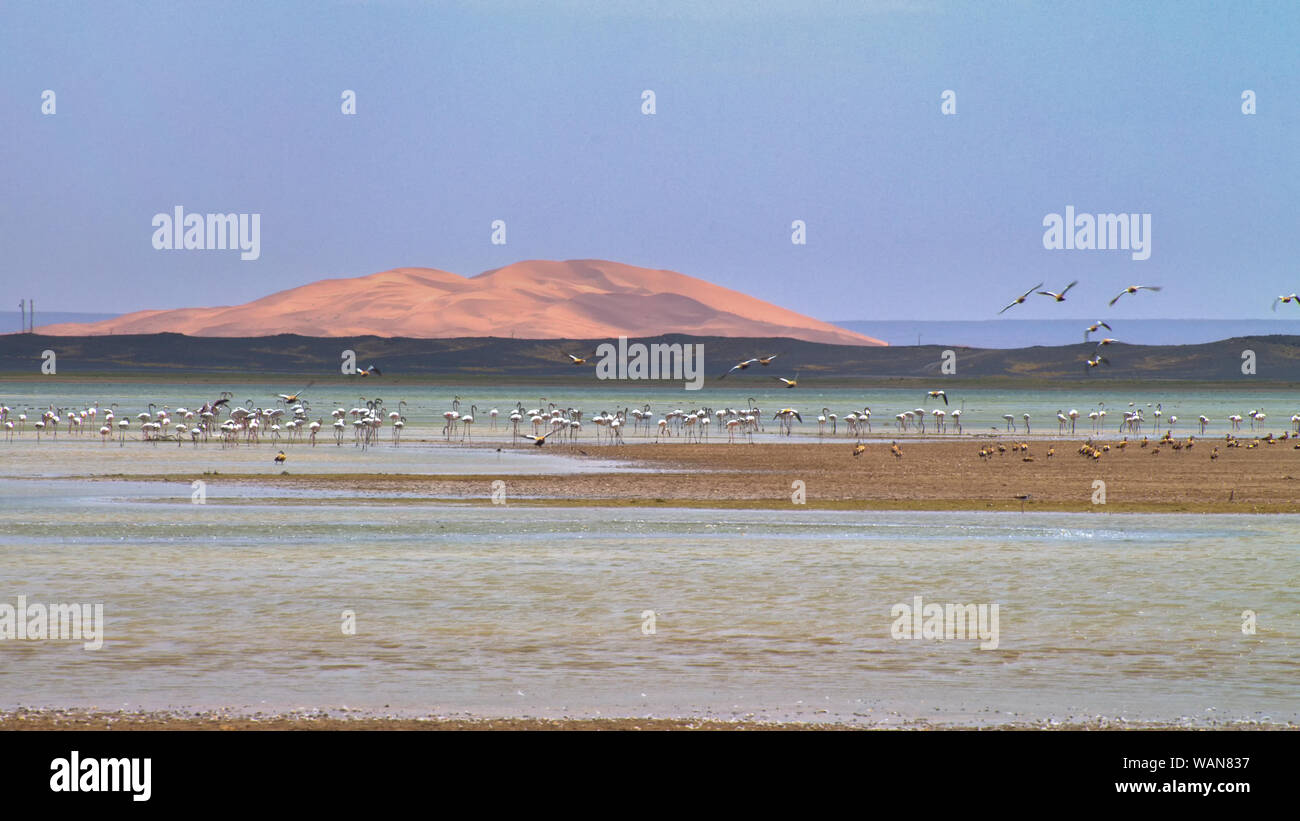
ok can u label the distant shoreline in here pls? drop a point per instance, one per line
(1237, 361)
(631, 388)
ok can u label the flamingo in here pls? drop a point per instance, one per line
(452, 415)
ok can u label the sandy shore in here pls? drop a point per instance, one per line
(74, 719)
(929, 475)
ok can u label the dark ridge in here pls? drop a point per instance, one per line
(1277, 358)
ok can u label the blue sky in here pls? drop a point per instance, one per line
(766, 112)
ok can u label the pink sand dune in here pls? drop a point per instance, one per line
(534, 299)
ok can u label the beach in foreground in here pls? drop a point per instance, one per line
(325, 720)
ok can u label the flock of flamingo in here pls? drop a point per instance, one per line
(228, 424)
(289, 420)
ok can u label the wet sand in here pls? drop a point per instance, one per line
(929, 475)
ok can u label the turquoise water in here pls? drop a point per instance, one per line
(982, 409)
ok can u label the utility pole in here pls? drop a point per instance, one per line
(31, 316)
(22, 316)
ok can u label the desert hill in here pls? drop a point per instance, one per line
(535, 299)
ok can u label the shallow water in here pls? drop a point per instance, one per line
(982, 408)
(533, 611)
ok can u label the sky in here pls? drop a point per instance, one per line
(765, 113)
